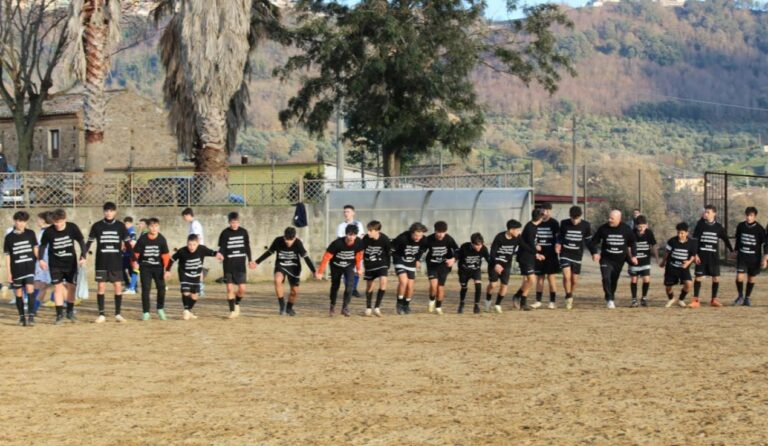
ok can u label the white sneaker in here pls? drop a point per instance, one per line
(377, 312)
(569, 303)
(237, 310)
(368, 312)
(186, 315)
(681, 303)
(192, 315)
(101, 319)
(431, 306)
(232, 315)
(129, 292)
(497, 308)
(488, 305)
(552, 306)
(439, 311)
(670, 302)
(536, 304)
(610, 305)
(119, 318)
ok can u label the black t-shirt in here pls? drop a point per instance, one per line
(526, 252)
(708, 236)
(109, 237)
(376, 254)
(235, 246)
(288, 258)
(191, 263)
(572, 239)
(151, 251)
(343, 254)
(749, 241)
(406, 252)
(438, 251)
(614, 242)
(645, 242)
(61, 246)
(503, 249)
(680, 252)
(21, 248)
(546, 233)
(470, 259)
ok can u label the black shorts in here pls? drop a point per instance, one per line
(748, 267)
(639, 270)
(375, 273)
(237, 278)
(710, 267)
(675, 276)
(292, 278)
(465, 275)
(190, 288)
(23, 281)
(573, 265)
(526, 268)
(438, 272)
(550, 264)
(103, 275)
(409, 271)
(63, 276)
(493, 276)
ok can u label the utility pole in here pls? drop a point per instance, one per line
(339, 150)
(573, 159)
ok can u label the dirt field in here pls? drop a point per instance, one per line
(588, 376)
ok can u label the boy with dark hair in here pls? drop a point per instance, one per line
(21, 253)
(235, 247)
(707, 235)
(191, 259)
(528, 252)
(349, 219)
(441, 249)
(750, 238)
(646, 248)
(130, 276)
(470, 257)
(376, 260)
(613, 243)
(546, 233)
(575, 234)
(111, 238)
(59, 243)
(152, 254)
(503, 249)
(42, 277)
(345, 256)
(680, 253)
(407, 250)
(290, 250)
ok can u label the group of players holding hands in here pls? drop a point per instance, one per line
(542, 248)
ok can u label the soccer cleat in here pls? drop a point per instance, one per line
(715, 303)
(71, 317)
(739, 300)
(695, 303)
(345, 311)
(59, 320)
(552, 306)
(634, 304)
(407, 307)
(669, 303)
(461, 308)
(100, 320)
(119, 318)
(476, 309)
(431, 307)
(186, 315)
(368, 312)
(610, 305)
(31, 320)
(332, 311)
(681, 303)
(146, 316)
(488, 305)
(22, 321)
(747, 303)
(237, 309)
(129, 292)
(161, 314)
(192, 315)
(399, 308)
(569, 303)
(439, 311)
(355, 293)
(536, 305)
(232, 315)
(643, 302)
(377, 312)
(516, 302)
(290, 312)
(497, 308)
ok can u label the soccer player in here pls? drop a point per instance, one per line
(341, 232)
(191, 259)
(612, 244)
(130, 276)
(646, 248)
(407, 250)
(546, 232)
(111, 238)
(470, 258)
(42, 277)
(235, 246)
(503, 249)
(290, 250)
(59, 243)
(345, 256)
(21, 253)
(441, 249)
(528, 252)
(707, 233)
(680, 253)
(376, 260)
(152, 254)
(750, 237)
(575, 234)
(195, 228)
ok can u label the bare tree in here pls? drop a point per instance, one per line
(33, 38)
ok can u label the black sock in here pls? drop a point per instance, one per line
(379, 298)
(696, 289)
(740, 287)
(478, 292)
(289, 306)
(432, 298)
(368, 299)
(238, 299)
(59, 311)
(100, 303)
(670, 295)
(488, 297)
(463, 294)
(70, 307)
(20, 305)
(231, 303)
(499, 298)
(750, 287)
(539, 294)
(715, 288)
(552, 296)
(400, 301)
(438, 304)
(646, 285)
(118, 303)
(633, 288)
(185, 301)
(569, 295)
(683, 294)
(523, 301)
(192, 303)
(281, 303)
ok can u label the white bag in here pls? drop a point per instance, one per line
(81, 291)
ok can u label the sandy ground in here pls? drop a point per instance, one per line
(588, 376)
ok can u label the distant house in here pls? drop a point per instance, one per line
(695, 185)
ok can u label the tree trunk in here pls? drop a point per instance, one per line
(97, 64)
(391, 162)
(211, 156)
(25, 137)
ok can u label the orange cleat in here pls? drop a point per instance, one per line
(715, 303)
(695, 303)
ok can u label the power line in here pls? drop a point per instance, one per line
(701, 101)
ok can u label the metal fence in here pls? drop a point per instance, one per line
(77, 189)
